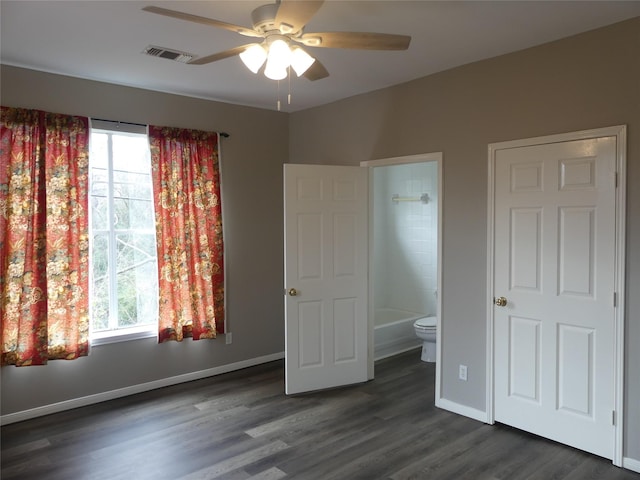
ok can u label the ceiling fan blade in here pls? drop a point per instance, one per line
(316, 71)
(355, 40)
(220, 55)
(293, 15)
(203, 20)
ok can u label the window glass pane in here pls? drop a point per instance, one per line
(137, 279)
(99, 179)
(100, 285)
(131, 154)
(133, 214)
(99, 153)
(125, 279)
(133, 201)
(99, 209)
(132, 185)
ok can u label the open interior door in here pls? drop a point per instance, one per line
(325, 274)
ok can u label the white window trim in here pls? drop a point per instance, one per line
(123, 335)
(132, 333)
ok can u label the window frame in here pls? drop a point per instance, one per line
(128, 333)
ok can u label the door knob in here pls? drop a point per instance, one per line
(293, 292)
(500, 301)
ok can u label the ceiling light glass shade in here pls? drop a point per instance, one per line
(301, 60)
(278, 60)
(254, 57)
(274, 72)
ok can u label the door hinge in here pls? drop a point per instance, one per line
(615, 180)
(615, 299)
(613, 418)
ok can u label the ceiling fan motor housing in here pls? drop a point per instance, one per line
(264, 17)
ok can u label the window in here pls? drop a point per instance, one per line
(124, 280)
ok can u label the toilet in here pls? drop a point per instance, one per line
(425, 328)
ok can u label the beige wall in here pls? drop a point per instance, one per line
(252, 159)
(583, 82)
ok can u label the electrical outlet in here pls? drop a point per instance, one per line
(462, 373)
(227, 338)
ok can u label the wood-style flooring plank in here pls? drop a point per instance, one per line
(241, 426)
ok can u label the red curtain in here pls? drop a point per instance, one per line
(186, 190)
(44, 248)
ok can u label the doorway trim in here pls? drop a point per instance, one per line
(418, 158)
(620, 132)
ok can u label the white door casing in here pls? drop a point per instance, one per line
(557, 342)
(326, 265)
(385, 162)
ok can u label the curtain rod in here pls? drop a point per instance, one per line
(222, 134)
(119, 122)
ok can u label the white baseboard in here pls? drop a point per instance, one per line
(631, 464)
(462, 410)
(133, 389)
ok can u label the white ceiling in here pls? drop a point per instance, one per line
(103, 40)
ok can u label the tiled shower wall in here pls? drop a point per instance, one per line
(405, 237)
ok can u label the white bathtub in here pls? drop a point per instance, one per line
(393, 332)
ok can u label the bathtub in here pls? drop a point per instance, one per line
(393, 332)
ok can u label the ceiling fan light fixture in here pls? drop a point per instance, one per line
(254, 57)
(278, 60)
(275, 72)
(279, 54)
(300, 60)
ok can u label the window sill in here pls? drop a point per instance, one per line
(125, 335)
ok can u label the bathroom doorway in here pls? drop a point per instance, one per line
(404, 249)
(306, 185)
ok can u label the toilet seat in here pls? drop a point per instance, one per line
(426, 323)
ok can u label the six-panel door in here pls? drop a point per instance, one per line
(326, 265)
(555, 263)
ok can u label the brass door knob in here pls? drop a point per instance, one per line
(293, 292)
(500, 301)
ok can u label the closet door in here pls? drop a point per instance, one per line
(554, 279)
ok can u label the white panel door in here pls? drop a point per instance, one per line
(555, 265)
(326, 275)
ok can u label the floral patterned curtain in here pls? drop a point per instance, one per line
(44, 249)
(186, 190)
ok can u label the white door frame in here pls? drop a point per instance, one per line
(620, 132)
(419, 158)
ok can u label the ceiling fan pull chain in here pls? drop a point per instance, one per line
(278, 103)
(289, 79)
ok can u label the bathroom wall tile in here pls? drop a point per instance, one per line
(405, 244)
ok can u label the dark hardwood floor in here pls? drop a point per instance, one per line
(241, 426)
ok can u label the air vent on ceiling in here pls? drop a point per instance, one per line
(168, 54)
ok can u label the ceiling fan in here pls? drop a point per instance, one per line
(280, 28)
